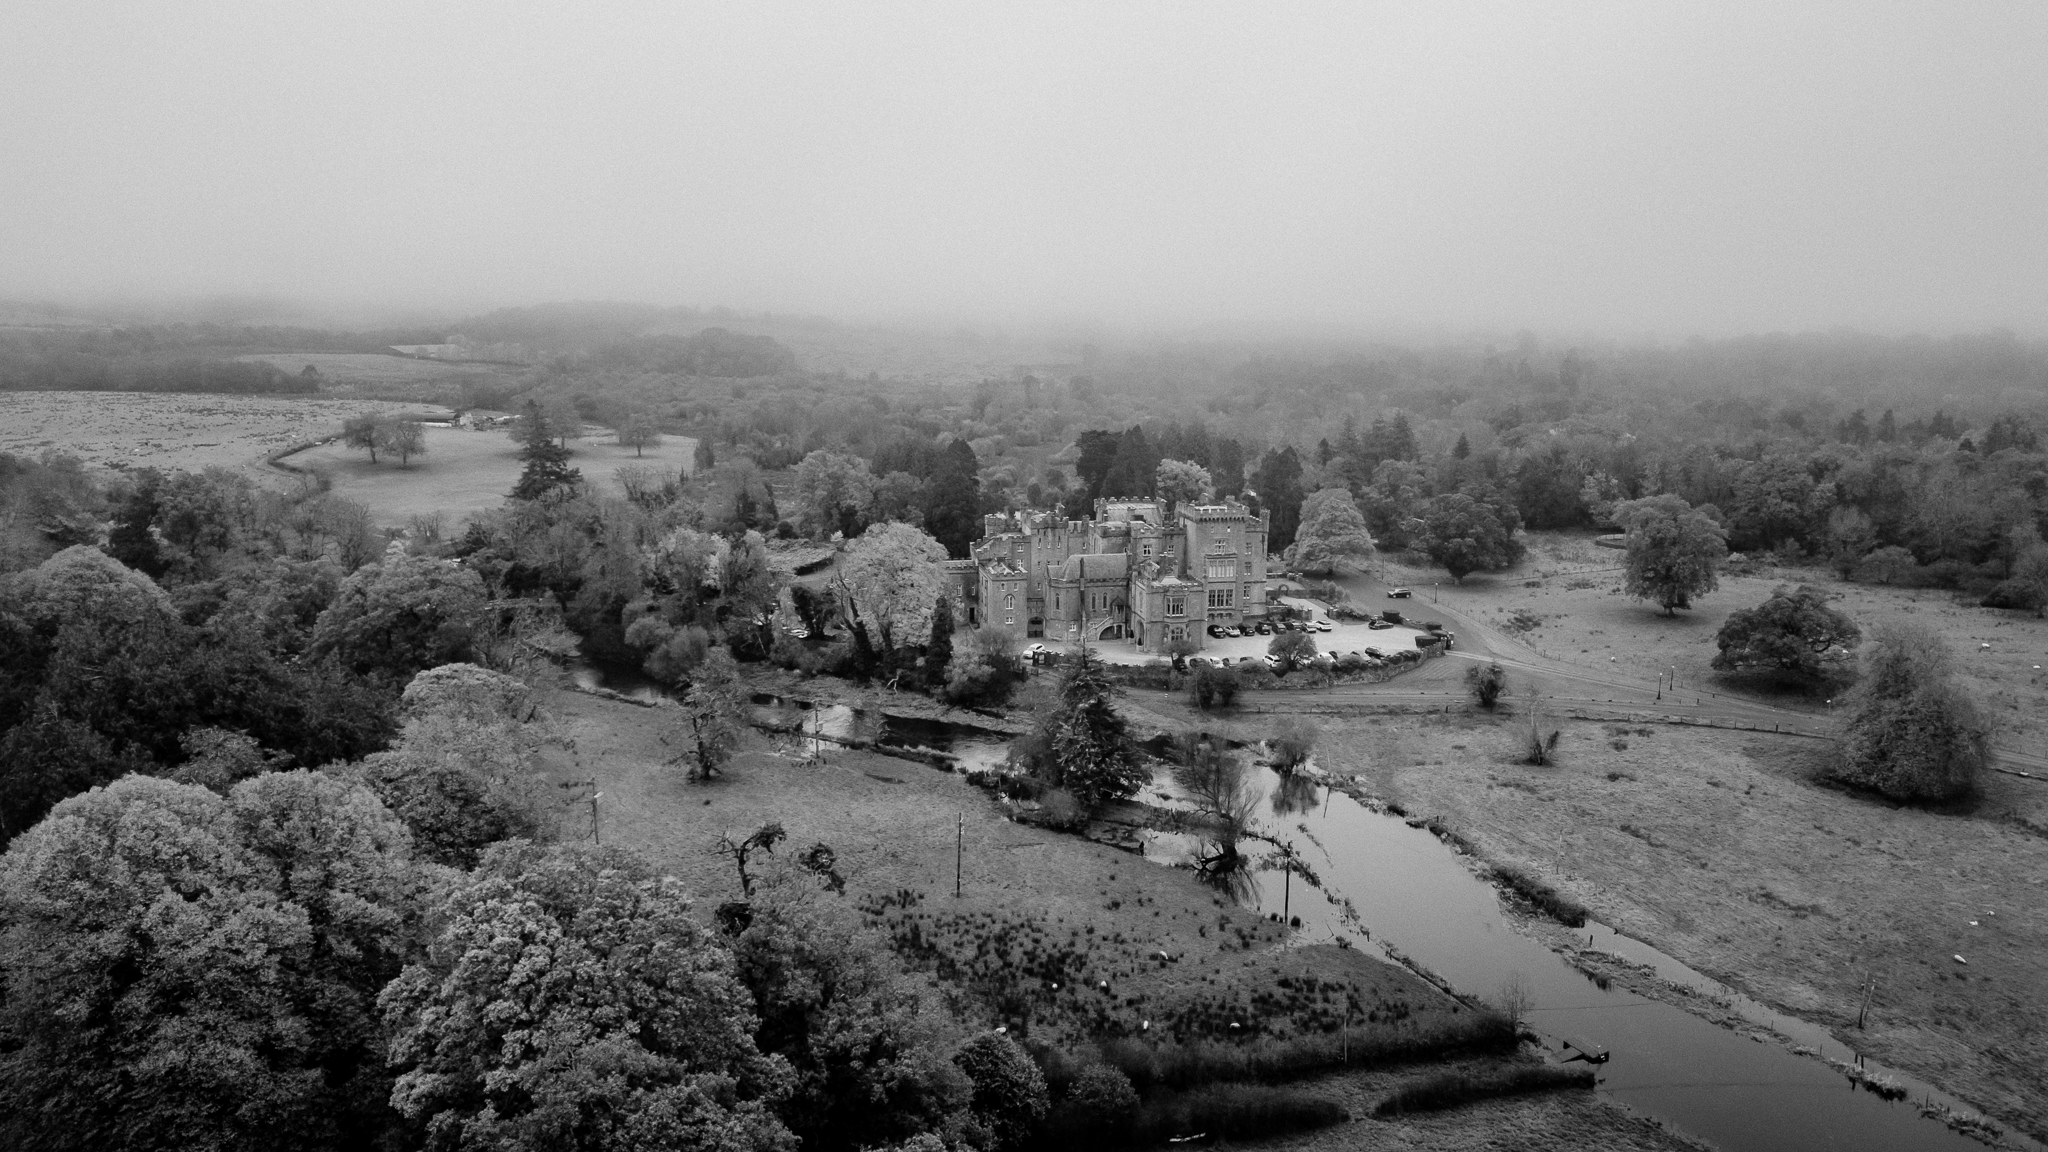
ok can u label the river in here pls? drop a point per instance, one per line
(1386, 883)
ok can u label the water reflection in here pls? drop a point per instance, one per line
(1295, 792)
(1222, 864)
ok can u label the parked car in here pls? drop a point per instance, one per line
(1428, 639)
(1376, 624)
(1215, 631)
(1323, 626)
(1275, 663)
(1264, 628)
(1232, 630)
(1399, 593)
(1036, 650)
(798, 631)
(1374, 652)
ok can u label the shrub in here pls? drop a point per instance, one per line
(1060, 809)
(1214, 687)
(1911, 734)
(1463, 1086)
(1487, 684)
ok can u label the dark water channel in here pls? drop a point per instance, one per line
(1387, 883)
(826, 725)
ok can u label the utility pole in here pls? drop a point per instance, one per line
(594, 798)
(959, 852)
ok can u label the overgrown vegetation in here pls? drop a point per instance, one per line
(1449, 1089)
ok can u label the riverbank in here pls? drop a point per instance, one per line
(1719, 849)
(893, 826)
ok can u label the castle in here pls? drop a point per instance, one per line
(1140, 570)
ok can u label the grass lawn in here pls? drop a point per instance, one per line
(466, 471)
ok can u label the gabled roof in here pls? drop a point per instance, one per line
(1099, 566)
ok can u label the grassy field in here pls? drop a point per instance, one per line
(1574, 612)
(169, 431)
(466, 471)
(1720, 849)
(894, 825)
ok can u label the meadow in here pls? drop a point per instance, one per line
(465, 471)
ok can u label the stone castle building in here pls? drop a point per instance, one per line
(1139, 570)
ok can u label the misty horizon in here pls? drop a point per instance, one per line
(1578, 171)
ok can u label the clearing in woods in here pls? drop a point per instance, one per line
(466, 471)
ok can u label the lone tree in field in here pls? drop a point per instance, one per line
(404, 439)
(639, 433)
(1911, 733)
(1674, 551)
(364, 433)
(547, 462)
(1487, 683)
(1332, 531)
(1794, 633)
(1463, 536)
(714, 715)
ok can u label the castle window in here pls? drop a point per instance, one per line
(1221, 597)
(1010, 603)
(1176, 605)
(1247, 565)
(1221, 570)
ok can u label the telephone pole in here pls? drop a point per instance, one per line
(959, 851)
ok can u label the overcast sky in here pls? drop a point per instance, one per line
(1625, 168)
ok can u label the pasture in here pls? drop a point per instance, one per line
(465, 471)
(1565, 603)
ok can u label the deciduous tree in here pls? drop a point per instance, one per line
(1793, 633)
(833, 493)
(401, 615)
(186, 970)
(1674, 551)
(889, 582)
(1912, 734)
(570, 1000)
(639, 432)
(1463, 535)
(714, 715)
(1183, 482)
(1332, 532)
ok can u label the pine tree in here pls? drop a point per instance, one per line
(547, 462)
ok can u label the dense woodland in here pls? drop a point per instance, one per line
(262, 688)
